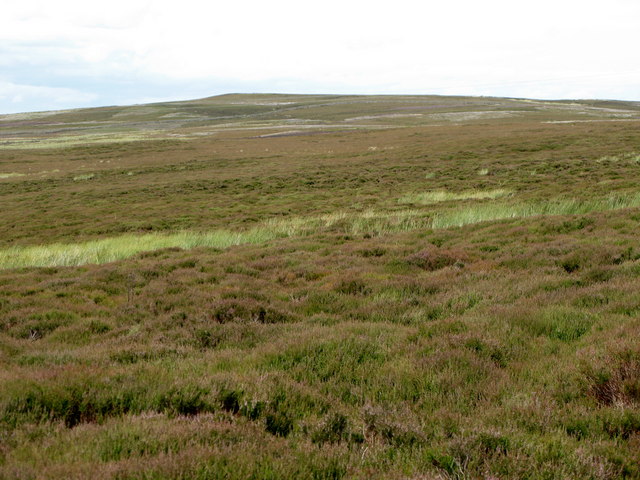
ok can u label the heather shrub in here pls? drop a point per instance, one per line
(434, 258)
(615, 379)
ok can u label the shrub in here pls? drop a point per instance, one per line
(372, 252)
(598, 275)
(334, 469)
(253, 410)
(245, 310)
(184, 401)
(98, 327)
(561, 323)
(205, 339)
(72, 404)
(621, 424)
(452, 465)
(617, 380)
(353, 287)
(279, 423)
(567, 226)
(230, 400)
(579, 427)
(39, 325)
(432, 259)
(394, 434)
(492, 352)
(348, 360)
(334, 430)
(490, 444)
(570, 264)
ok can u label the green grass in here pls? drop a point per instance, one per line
(86, 176)
(355, 223)
(11, 175)
(119, 248)
(428, 198)
(67, 141)
(487, 212)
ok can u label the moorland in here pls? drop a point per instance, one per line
(288, 286)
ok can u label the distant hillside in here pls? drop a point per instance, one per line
(287, 114)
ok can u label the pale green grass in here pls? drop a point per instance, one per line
(482, 213)
(84, 176)
(437, 196)
(70, 140)
(118, 248)
(631, 157)
(354, 223)
(11, 175)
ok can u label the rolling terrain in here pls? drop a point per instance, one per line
(289, 286)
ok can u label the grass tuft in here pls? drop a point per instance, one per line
(84, 176)
(11, 175)
(487, 212)
(118, 248)
(437, 196)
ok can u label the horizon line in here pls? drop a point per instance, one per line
(177, 100)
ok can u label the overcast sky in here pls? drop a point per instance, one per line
(67, 53)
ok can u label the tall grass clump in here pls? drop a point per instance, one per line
(487, 212)
(631, 157)
(84, 176)
(125, 246)
(437, 196)
(118, 248)
(369, 221)
(11, 175)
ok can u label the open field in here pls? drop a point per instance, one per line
(325, 287)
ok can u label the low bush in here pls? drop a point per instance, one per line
(279, 423)
(562, 323)
(189, 400)
(352, 287)
(245, 310)
(435, 258)
(334, 429)
(616, 379)
(230, 400)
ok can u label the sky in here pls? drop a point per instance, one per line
(71, 54)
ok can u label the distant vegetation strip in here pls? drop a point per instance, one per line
(437, 196)
(44, 142)
(492, 211)
(368, 222)
(118, 248)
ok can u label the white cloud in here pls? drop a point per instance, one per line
(15, 97)
(492, 47)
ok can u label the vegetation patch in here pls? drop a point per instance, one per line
(616, 381)
(437, 196)
(561, 323)
(11, 175)
(482, 213)
(435, 258)
(84, 176)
